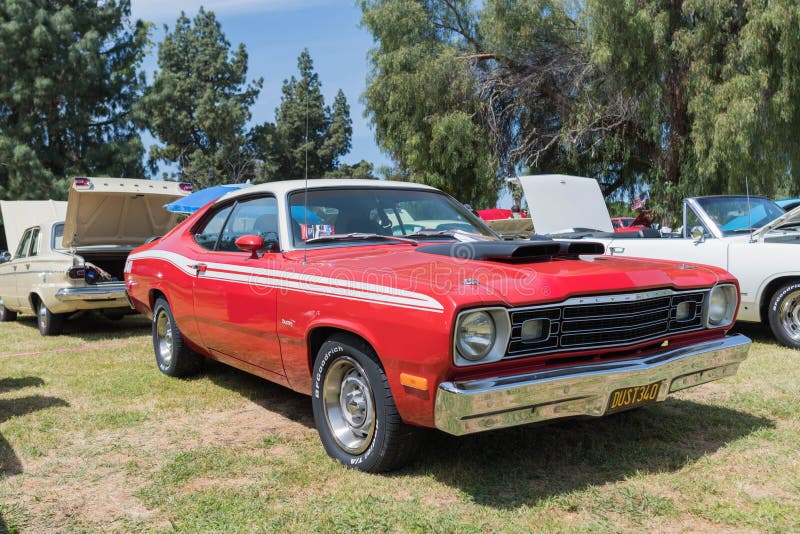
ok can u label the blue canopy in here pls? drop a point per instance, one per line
(195, 201)
(191, 203)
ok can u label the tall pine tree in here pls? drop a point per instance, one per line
(200, 102)
(69, 78)
(281, 147)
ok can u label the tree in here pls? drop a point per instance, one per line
(686, 96)
(362, 170)
(69, 78)
(422, 100)
(282, 146)
(200, 102)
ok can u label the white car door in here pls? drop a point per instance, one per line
(9, 290)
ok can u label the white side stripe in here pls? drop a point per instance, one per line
(304, 283)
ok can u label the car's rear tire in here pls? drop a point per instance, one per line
(783, 314)
(354, 410)
(50, 324)
(6, 315)
(173, 357)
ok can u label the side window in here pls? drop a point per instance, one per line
(692, 222)
(35, 242)
(256, 216)
(24, 245)
(208, 234)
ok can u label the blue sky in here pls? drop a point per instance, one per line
(274, 32)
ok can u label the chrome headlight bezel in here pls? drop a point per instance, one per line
(502, 334)
(721, 314)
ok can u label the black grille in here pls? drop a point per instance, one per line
(577, 326)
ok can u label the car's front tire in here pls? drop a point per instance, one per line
(173, 357)
(6, 315)
(784, 314)
(50, 324)
(354, 410)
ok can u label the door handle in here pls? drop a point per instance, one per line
(616, 250)
(199, 268)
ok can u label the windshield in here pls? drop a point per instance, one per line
(380, 211)
(731, 213)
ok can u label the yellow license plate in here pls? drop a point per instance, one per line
(632, 397)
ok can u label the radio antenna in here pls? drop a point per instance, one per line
(305, 192)
(749, 212)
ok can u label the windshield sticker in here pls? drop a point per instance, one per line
(313, 231)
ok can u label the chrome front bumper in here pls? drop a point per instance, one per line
(465, 407)
(108, 291)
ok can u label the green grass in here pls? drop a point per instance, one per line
(98, 440)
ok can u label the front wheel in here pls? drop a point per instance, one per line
(354, 410)
(173, 357)
(784, 314)
(6, 315)
(50, 324)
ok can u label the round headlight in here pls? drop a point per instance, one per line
(721, 305)
(476, 335)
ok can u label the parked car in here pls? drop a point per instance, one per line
(65, 266)
(788, 204)
(642, 221)
(390, 328)
(751, 237)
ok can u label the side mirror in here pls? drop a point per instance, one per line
(698, 234)
(250, 243)
(5, 256)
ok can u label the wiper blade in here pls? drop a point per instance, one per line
(356, 236)
(432, 233)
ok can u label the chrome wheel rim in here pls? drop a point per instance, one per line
(789, 315)
(164, 338)
(42, 317)
(349, 407)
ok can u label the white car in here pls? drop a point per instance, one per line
(753, 238)
(70, 256)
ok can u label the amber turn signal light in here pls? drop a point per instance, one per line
(415, 382)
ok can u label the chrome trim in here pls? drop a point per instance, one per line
(112, 291)
(613, 299)
(465, 407)
(502, 324)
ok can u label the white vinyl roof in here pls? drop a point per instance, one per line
(285, 186)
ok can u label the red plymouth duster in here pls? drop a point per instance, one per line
(396, 308)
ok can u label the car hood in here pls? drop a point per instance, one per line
(559, 203)
(118, 211)
(465, 282)
(20, 215)
(792, 216)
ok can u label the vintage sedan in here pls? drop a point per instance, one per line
(390, 327)
(75, 264)
(753, 238)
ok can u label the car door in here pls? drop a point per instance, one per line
(12, 271)
(28, 269)
(235, 305)
(707, 249)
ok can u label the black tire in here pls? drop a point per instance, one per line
(384, 445)
(6, 315)
(50, 324)
(173, 357)
(783, 314)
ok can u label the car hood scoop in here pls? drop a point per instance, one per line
(538, 249)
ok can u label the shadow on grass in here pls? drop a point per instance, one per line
(9, 461)
(520, 466)
(270, 396)
(95, 327)
(758, 332)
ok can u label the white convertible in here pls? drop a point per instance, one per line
(751, 237)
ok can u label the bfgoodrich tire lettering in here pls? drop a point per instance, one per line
(784, 314)
(173, 357)
(361, 427)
